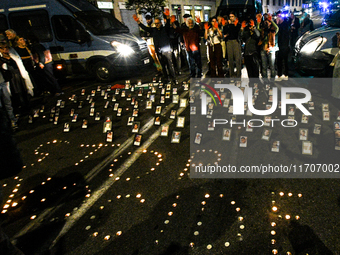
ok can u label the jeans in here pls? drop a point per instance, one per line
(195, 62)
(268, 59)
(5, 97)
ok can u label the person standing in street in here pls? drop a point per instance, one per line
(214, 36)
(149, 40)
(5, 94)
(294, 30)
(160, 35)
(27, 59)
(250, 36)
(184, 53)
(191, 37)
(11, 164)
(307, 25)
(283, 44)
(336, 72)
(44, 66)
(231, 33)
(175, 46)
(268, 29)
(21, 87)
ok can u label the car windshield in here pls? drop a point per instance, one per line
(100, 23)
(334, 20)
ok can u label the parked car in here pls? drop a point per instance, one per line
(315, 50)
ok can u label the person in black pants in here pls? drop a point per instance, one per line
(283, 43)
(161, 40)
(11, 164)
(250, 35)
(44, 66)
(294, 30)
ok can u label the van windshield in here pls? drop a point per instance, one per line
(100, 23)
(96, 21)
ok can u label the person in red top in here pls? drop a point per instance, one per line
(191, 36)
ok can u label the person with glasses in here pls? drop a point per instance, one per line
(231, 36)
(214, 36)
(161, 38)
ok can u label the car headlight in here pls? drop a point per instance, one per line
(313, 45)
(298, 42)
(123, 49)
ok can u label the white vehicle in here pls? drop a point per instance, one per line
(81, 38)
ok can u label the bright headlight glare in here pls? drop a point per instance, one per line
(122, 49)
(313, 45)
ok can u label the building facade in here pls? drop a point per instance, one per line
(201, 8)
(272, 6)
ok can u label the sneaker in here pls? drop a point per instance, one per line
(283, 77)
(277, 78)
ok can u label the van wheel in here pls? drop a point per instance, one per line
(103, 71)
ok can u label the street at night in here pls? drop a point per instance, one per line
(107, 171)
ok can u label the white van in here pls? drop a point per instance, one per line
(81, 38)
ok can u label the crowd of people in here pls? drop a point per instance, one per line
(26, 70)
(262, 44)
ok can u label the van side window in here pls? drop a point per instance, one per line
(66, 28)
(32, 23)
(3, 23)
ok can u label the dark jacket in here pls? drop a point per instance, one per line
(283, 35)
(307, 25)
(160, 36)
(191, 37)
(231, 31)
(294, 25)
(251, 40)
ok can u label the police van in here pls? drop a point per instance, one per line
(81, 38)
